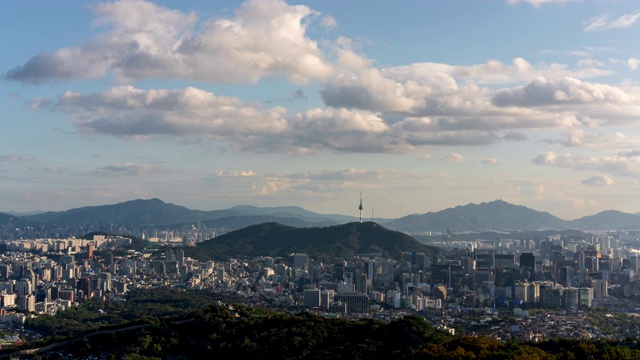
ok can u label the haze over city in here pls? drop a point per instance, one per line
(419, 105)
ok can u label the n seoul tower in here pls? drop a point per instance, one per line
(360, 207)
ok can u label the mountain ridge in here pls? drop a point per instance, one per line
(497, 215)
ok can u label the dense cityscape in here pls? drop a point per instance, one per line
(527, 289)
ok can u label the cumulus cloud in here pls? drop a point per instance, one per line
(603, 23)
(598, 180)
(451, 98)
(619, 164)
(541, 92)
(633, 63)
(545, 159)
(369, 108)
(144, 40)
(580, 138)
(128, 111)
(194, 114)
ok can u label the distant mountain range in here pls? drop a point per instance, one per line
(13, 220)
(156, 213)
(323, 243)
(490, 216)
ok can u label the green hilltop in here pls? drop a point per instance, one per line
(323, 243)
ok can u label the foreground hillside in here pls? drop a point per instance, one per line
(272, 239)
(171, 324)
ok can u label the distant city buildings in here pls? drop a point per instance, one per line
(554, 273)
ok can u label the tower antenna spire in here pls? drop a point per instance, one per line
(360, 207)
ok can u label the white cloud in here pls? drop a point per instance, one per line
(633, 63)
(538, 3)
(589, 62)
(625, 20)
(198, 115)
(144, 40)
(328, 22)
(237, 173)
(426, 157)
(596, 23)
(454, 156)
(580, 138)
(39, 103)
(548, 157)
(16, 157)
(620, 164)
(128, 111)
(450, 98)
(565, 91)
(598, 180)
(491, 161)
(132, 168)
(603, 23)
(396, 109)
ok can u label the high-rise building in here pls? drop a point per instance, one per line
(600, 289)
(326, 297)
(570, 298)
(28, 302)
(521, 292)
(90, 247)
(585, 296)
(311, 298)
(528, 260)
(23, 288)
(180, 257)
(504, 260)
(300, 260)
(357, 303)
(84, 284)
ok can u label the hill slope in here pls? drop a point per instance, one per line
(495, 215)
(272, 239)
(607, 220)
(134, 212)
(155, 212)
(16, 220)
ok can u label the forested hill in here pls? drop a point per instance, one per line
(272, 239)
(172, 324)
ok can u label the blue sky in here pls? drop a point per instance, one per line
(422, 105)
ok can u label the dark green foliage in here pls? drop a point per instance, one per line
(142, 306)
(194, 325)
(614, 324)
(323, 243)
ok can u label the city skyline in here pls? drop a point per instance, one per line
(420, 106)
